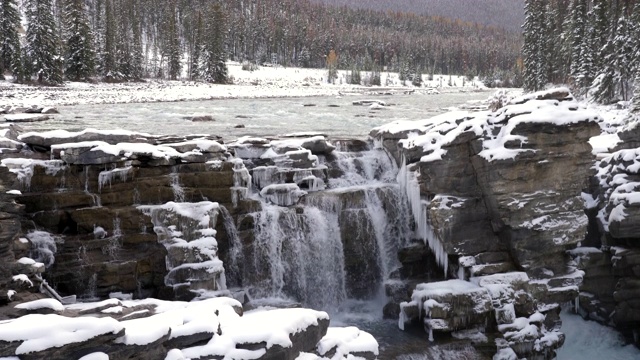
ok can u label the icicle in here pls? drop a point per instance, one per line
(107, 176)
(408, 180)
(576, 304)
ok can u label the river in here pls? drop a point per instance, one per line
(333, 116)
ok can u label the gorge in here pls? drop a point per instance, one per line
(477, 226)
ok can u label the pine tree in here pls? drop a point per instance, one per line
(533, 50)
(194, 59)
(214, 67)
(635, 103)
(172, 43)
(601, 32)
(10, 53)
(80, 56)
(137, 57)
(578, 31)
(107, 31)
(42, 43)
(634, 35)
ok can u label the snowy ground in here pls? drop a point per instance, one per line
(261, 83)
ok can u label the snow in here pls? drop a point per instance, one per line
(22, 278)
(95, 356)
(266, 82)
(590, 340)
(40, 332)
(347, 340)
(41, 304)
(200, 211)
(14, 192)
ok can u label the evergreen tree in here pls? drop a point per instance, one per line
(635, 103)
(172, 43)
(42, 43)
(416, 77)
(578, 31)
(137, 56)
(601, 31)
(214, 67)
(80, 56)
(634, 35)
(194, 60)
(107, 31)
(10, 53)
(533, 50)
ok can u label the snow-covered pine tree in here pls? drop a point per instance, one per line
(78, 40)
(42, 43)
(578, 31)
(124, 61)
(635, 103)
(107, 35)
(634, 36)
(623, 53)
(214, 67)
(10, 53)
(137, 56)
(533, 49)
(196, 50)
(601, 32)
(171, 48)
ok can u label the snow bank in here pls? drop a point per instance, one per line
(41, 332)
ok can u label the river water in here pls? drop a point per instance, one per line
(335, 116)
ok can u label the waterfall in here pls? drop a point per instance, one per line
(43, 247)
(94, 197)
(342, 243)
(303, 255)
(235, 256)
(178, 191)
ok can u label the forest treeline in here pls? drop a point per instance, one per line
(508, 14)
(591, 45)
(123, 40)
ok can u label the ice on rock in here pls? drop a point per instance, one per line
(187, 230)
(24, 168)
(282, 194)
(408, 180)
(108, 176)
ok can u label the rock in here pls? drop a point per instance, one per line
(46, 139)
(239, 126)
(20, 118)
(49, 110)
(202, 118)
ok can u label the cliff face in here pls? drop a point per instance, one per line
(497, 198)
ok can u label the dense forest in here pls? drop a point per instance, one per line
(121, 40)
(507, 14)
(592, 45)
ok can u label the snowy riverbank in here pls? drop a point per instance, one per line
(262, 83)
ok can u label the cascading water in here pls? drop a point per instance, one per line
(341, 244)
